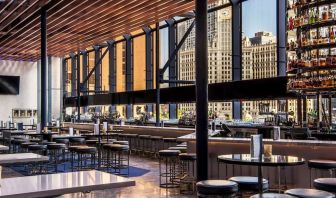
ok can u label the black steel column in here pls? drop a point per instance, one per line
(330, 110)
(149, 62)
(78, 86)
(201, 57)
(304, 110)
(98, 69)
(173, 63)
(236, 54)
(43, 67)
(281, 38)
(64, 82)
(129, 71)
(85, 69)
(112, 69)
(157, 73)
(73, 74)
(299, 110)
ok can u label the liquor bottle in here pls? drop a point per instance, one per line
(312, 16)
(332, 35)
(325, 14)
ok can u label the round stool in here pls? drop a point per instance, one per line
(309, 193)
(322, 165)
(86, 153)
(47, 143)
(25, 145)
(77, 141)
(132, 139)
(118, 158)
(121, 142)
(16, 144)
(181, 149)
(326, 184)
(188, 180)
(168, 172)
(37, 148)
(169, 142)
(271, 195)
(249, 184)
(62, 141)
(72, 151)
(56, 151)
(91, 142)
(216, 189)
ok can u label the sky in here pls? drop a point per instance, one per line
(259, 15)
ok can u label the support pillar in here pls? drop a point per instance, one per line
(281, 37)
(112, 70)
(43, 67)
(236, 54)
(304, 110)
(157, 73)
(78, 86)
(299, 111)
(98, 69)
(129, 71)
(85, 68)
(73, 74)
(173, 64)
(201, 60)
(149, 62)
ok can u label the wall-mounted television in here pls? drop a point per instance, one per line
(9, 85)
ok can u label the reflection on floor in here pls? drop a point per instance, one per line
(147, 184)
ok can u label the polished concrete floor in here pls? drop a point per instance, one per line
(147, 185)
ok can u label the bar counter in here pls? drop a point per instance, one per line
(308, 149)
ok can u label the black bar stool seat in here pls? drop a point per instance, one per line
(86, 149)
(309, 193)
(272, 195)
(121, 142)
(77, 140)
(117, 147)
(35, 140)
(322, 164)
(47, 143)
(110, 141)
(188, 156)
(219, 188)
(246, 183)
(181, 149)
(326, 184)
(56, 146)
(91, 142)
(37, 148)
(169, 153)
(27, 144)
(62, 141)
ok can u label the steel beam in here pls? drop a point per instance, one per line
(65, 77)
(157, 74)
(149, 62)
(281, 37)
(73, 74)
(178, 82)
(236, 54)
(43, 67)
(78, 86)
(84, 86)
(201, 60)
(112, 69)
(129, 71)
(98, 68)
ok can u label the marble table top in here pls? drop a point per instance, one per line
(61, 183)
(6, 159)
(192, 137)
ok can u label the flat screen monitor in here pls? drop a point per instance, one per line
(9, 85)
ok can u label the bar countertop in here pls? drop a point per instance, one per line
(192, 137)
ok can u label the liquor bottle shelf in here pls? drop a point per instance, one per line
(329, 22)
(316, 68)
(312, 4)
(315, 46)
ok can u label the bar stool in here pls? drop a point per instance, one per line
(247, 184)
(310, 193)
(271, 195)
(326, 184)
(121, 142)
(329, 165)
(62, 141)
(118, 158)
(56, 151)
(169, 142)
(133, 141)
(86, 153)
(216, 189)
(181, 149)
(91, 142)
(38, 149)
(188, 180)
(156, 144)
(72, 157)
(144, 143)
(25, 145)
(16, 144)
(77, 141)
(168, 173)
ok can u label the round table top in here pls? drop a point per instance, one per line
(274, 160)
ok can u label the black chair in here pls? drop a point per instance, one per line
(326, 184)
(216, 188)
(309, 193)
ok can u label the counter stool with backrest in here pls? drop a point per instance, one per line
(216, 189)
(247, 184)
(309, 193)
(144, 143)
(57, 154)
(168, 163)
(118, 158)
(157, 145)
(169, 142)
(329, 165)
(188, 179)
(272, 195)
(326, 184)
(86, 157)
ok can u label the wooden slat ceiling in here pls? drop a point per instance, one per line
(76, 24)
